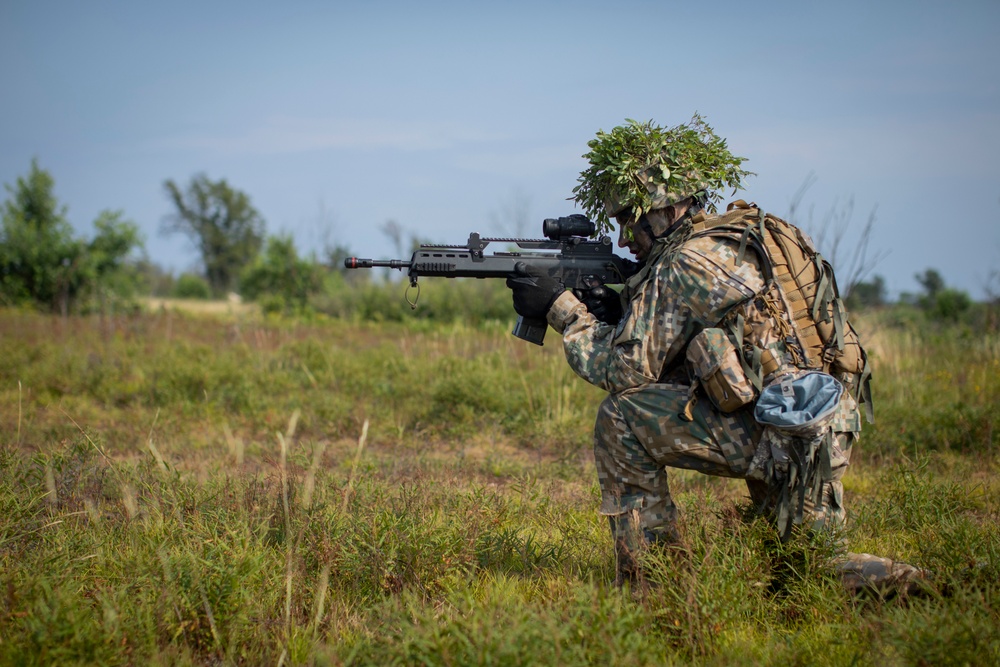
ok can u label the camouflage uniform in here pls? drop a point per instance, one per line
(687, 284)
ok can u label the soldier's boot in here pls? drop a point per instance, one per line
(631, 541)
(861, 573)
(628, 572)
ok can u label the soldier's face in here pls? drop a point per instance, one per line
(633, 236)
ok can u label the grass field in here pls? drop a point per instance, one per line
(218, 488)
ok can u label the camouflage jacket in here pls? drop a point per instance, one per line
(685, 286)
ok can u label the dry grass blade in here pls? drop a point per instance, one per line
(354, 466)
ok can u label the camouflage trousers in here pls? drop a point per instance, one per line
(638, 435)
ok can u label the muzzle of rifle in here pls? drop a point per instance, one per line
(358, 263)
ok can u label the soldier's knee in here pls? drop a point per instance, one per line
(608, 426)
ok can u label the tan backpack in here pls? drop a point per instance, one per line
(805, 281)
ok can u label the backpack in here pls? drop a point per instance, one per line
(822, 337)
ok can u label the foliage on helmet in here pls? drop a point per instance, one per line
(642, 166)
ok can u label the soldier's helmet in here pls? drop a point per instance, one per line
(644, 167)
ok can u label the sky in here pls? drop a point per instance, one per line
(336, 117)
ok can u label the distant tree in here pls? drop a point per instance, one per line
(42, 262)
(279, 278)
(868, 294)
(108, 272)
(940, 302)
(931, 281)
(335, 256)
(221, 222)
(38, 251)
(153, 278)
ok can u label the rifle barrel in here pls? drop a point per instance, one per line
(358, 263)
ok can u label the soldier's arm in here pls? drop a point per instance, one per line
(692, 291)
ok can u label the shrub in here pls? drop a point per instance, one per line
(41, 262)
(279, 278)
(191, 286)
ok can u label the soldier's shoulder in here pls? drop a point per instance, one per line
(717, 249)
(738, 214)
(716, 258)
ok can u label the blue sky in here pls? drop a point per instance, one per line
(336, 117)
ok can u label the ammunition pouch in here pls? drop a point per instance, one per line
(714, 365)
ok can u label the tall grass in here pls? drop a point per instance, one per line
(195, 490)
(250, 375)
(935, 390)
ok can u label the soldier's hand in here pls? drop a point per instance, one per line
(533, 291)
(603, 303)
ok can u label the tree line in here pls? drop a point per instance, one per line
(43, 264)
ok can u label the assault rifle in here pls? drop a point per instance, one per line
(566, 253)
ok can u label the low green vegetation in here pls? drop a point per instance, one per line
(191, 286)
(43, 264)
(240, 488)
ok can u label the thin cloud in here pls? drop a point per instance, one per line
(536, 160)
(287, 135)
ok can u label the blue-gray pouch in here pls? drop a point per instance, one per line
(797, 445)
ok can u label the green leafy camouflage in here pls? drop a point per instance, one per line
(642, 166)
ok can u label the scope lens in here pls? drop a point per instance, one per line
(566, 226)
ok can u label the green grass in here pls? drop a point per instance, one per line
(179, 489)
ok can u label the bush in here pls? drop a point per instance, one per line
(467, 300)
(279, 278)
(949, 305)
(41, 263)
(191, 286)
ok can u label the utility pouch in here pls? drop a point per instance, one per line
(796, 452)
(714, 364)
